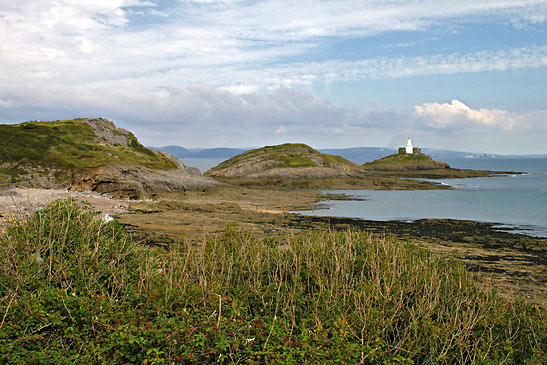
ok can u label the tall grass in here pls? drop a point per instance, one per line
(75, 289)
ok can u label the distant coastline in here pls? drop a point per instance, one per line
(358, 155)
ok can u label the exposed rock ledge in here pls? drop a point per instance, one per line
(135, 182)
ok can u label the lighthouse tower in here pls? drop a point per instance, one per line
(409, 148)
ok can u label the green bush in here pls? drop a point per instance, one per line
(75, 289)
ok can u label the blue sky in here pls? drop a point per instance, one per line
(463, 75)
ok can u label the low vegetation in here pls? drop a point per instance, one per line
(73, 288)
(4, 179)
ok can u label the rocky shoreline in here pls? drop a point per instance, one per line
(515, 264)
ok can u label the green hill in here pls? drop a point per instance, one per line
(87, 154)
(290, 159)
(405, 162)
(80, 143)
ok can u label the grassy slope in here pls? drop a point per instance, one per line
(288, 155)
(74, 289)
(405, 162)
(70, 144)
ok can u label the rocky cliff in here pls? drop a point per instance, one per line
(89, 154)
(286, 160)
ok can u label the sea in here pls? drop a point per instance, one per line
(514, 201)
(203, 164)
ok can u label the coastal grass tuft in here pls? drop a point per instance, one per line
(74, 288)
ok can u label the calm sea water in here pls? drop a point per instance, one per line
(516, 201)
(203, 164)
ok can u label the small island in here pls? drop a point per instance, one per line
(407, 159)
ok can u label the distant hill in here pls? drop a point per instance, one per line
(405, 162)
(177, 151)
(88, 154)
(181, 152)
(218, 153)
(286, 160)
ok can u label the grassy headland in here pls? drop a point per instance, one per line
(71, 144)
(76, 289)
(89, 154)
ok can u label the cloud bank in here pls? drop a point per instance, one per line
(457, 114)
(204, 116)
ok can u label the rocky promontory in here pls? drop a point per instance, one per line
(89, 154)
(290, 160)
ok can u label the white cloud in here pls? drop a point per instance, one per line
(240, 89)
(400, 67)
(198, 115)
(231, 43)
(458, 114)
(304, 18)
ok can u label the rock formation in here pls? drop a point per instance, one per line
(286, 160)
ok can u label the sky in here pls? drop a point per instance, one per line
(466, 75)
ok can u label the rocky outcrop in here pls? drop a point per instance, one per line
(287, 160)
(135, 182)
(107, 132)
(120, 181)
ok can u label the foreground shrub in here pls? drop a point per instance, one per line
(75, 289)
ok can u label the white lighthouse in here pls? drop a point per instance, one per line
(409, 148)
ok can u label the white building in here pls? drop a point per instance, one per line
(409, 148)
